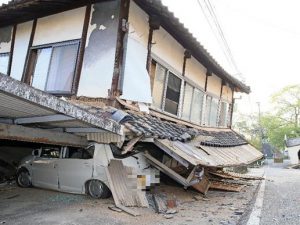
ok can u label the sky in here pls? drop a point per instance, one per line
(263, 36)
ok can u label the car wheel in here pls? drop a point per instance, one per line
(97, 189)
(24, 179)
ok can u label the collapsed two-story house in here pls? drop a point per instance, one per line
(120, 72)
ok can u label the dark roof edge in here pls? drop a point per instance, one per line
(188, 41)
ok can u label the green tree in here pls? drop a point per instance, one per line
(273, 126)
(248, 126)
(283, 120)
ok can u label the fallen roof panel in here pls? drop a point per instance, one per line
(211, 156)
(24, 104)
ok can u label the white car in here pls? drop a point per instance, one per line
(67, 169)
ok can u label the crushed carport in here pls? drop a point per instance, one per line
(28, 114)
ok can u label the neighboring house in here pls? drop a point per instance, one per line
(293, 147)
(133, 55)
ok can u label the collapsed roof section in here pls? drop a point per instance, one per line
(187, 143)
(196, 146)
(26, 106)
(30, 9)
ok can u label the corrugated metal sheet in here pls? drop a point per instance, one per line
(212, 156)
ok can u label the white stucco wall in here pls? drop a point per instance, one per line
(227, 94)
(195, 71)
(138, 24)
(214, 85)
(59, 27)
(20, 50)
(293, 154)
(168, 49)
(5, 39)
(99, 56)
(136, 80)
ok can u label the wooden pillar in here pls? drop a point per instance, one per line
(25, 75)
(119, 55)
(154, 24)
(81, 49)
(187, 55)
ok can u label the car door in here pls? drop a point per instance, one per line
(44, 168)
(74, 169)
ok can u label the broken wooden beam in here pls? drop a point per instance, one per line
(129, 146)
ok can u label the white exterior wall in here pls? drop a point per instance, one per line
(136, 80)
(100, 50)
(20, 50)
(195, 71)
(227, 94)
(5, 39)
(59, 27)
(293, 154)
(214, 85)
(168, 49)
(138, 24)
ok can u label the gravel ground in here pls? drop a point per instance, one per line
(282, 196)
(37, 206)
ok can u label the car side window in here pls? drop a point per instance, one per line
(77, 153)
(50, 152)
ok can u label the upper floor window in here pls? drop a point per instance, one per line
(211, 113)
(54, 67)
(4, 58)
(166, 90)
(172, 94)
(192, 104)
(224, 114)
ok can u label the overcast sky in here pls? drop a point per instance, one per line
(264, 38)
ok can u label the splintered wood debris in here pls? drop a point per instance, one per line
(224, 186)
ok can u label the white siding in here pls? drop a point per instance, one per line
(136, 80)
(168, 49)
(20, 49)
(60, 27)
(99, 56)
(227, 94)
(214, 85)
(195, 71)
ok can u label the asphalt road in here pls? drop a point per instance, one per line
(281, 199)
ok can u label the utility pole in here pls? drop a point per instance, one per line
(259, 124)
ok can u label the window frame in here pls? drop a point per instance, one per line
(228, 115)
(8, 55)
(192, 100)
(165, 86)
(185, 80)
(32, 60)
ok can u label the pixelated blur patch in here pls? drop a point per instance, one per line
(144, 181)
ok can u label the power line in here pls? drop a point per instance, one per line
(218, 32)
